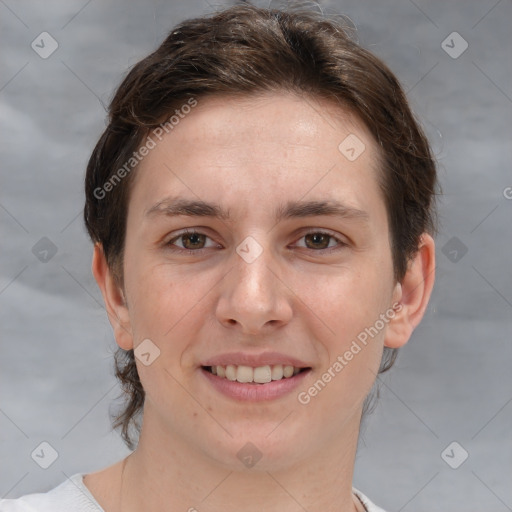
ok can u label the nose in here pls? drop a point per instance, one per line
(254, 299)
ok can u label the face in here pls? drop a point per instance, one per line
(283, 260)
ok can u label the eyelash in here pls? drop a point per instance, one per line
(340, 245)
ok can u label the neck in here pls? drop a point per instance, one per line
(165, 473)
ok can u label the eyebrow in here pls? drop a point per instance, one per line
(176, 206)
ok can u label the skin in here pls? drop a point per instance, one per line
(250, 155)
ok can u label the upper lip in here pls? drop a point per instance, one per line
(255, 360)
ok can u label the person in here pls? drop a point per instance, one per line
(262, 207)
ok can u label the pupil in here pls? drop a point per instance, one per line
(194, 239)
(317, 238)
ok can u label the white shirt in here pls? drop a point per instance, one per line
(73, 496)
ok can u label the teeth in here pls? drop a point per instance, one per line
(262, 374)
(259, 375)
(230, 372)
(244, 374)
(288, 371)
(277, 372)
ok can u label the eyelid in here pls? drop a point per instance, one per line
(188, 231)
(320, 231)
(308, 231)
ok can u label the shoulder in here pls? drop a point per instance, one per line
(370, 507)
(70, 495)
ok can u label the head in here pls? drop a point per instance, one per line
(255, 111)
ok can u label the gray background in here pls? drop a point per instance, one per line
(452, 382)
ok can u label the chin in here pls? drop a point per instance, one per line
(258, 448)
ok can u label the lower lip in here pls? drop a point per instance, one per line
(255, 392)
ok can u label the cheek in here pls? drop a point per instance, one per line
(150, 300)
(353, 344)
(159, 309)
(164, 301)
(354, 300)
(353, 306)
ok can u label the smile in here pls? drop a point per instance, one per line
(255, 383)
(250, 375)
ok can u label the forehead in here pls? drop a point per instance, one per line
(259, 149)
(269, 119)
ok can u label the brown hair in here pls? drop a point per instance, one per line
(245, 50)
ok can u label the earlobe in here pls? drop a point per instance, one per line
(413, 294)
(113, 296)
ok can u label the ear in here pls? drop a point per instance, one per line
(113, 296)
(411, 296)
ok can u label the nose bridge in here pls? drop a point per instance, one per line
(253, 271)
(252, 278)
(253, 296)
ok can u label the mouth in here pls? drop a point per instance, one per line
(250, 377)
(255, 375)
(245, 383)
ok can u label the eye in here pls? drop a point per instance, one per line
(322, 241)
(192, 241)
